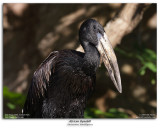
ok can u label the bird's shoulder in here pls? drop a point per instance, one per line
(71, 60)
(41, 76)
(49, 60)
(61, 61)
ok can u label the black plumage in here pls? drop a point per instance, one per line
(62, 84)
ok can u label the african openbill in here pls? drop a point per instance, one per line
(64, 81)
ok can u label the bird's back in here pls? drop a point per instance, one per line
(59, 87)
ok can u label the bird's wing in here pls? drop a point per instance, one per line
(39, 84)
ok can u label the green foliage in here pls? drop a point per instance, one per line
(146, 56)
(14, 99)
(11, 106)
(153, 81)
(96, 113)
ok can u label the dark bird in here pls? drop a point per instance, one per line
(63, 82)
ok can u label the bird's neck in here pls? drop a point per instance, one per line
(91, 59)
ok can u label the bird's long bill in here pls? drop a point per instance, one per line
(109, 58)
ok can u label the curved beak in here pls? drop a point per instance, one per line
(109, 58)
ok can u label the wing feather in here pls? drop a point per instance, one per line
(39, 85)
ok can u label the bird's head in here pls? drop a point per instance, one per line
(92, 34)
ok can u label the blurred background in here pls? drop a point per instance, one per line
(32, 31)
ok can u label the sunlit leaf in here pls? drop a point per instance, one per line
(11, 106)
(147, 57)
(13, 98)
(151, 66)
(96, 113)
(113, 110)
(142, 70)
(153, 81)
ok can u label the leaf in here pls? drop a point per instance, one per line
(96, 113)
(151, 53)
(146, 56)
(142, 70)
(112, 110)
(153, 81)
(11, 106)
(12, 97)
(151, 66)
